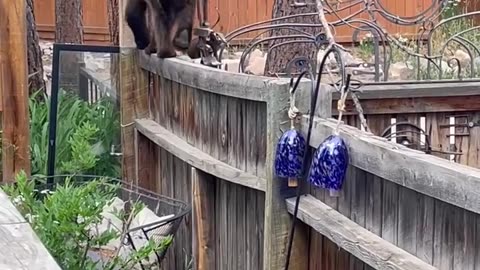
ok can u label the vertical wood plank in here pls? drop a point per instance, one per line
(213, 122)
(260, 227)
(443, 236)
(464, 250)
(14, 89)
(176, 124)
(133, 97)
(477, 242)
(373, 215)
(425, 228)
(390, 212)
(203, 217)
(222, 221)
(261, 127)
(223, 139)
(358, 209)
(232, 123)
(473, 150)
(190, 116)
(252, 248)
(407, 219)
(167, 89)
(146, 162)
(197, 95)
(315, 252)
(232, 226)
(241, 231)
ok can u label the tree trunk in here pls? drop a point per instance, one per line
(35, 65)
(278, 58)
(69, 29)
(112, 6)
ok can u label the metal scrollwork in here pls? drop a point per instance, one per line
(437, 54)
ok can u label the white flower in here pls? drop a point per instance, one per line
(18, 200)
(30, 218)
(80, 219)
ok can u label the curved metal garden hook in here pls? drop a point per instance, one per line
(345, 80)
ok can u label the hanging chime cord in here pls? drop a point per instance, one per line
(313, 106)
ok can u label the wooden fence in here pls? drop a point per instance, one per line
(422, 204)
(233, 14)
(208, 137)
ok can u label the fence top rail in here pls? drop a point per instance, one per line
(185, 72)
(417, 89)
(439, 178)
(258, 87)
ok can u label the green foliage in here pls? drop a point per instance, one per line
(366, 47)
(85, 133)
(453, 8)
(63, 219)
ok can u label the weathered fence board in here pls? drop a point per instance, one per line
(436, 232)
(19, 245)
(221, 140)
(353, 238)
(225, 126)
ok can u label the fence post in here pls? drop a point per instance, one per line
(277, 219)
(14, 88)
(133, 94)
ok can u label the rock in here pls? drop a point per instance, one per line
(348, 59)
(463, 57)
(231, 65)
(256, 66)
(256, 53)
(400, 71)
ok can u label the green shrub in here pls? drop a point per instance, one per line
(62, 220)
(85, 133)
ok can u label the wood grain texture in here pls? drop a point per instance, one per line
(230, 129)
(424, 173)
(277, 219)
(348, 235)
(20, 246)
(415, 90)
(196, 157)
(14, 89)
(414, 105)
(209, 79)
(203, 220)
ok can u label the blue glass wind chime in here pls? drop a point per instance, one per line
(330, 160)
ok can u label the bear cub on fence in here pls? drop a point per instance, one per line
(157, 23)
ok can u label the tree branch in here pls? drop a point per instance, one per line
(331, 43)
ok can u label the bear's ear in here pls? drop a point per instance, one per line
(137, 21)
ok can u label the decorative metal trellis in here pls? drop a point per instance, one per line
(428, 57)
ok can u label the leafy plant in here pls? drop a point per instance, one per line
(85, 132)
(63, 219)
(365, 47)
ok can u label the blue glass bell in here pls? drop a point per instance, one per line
(329, 164)
(289, 156)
